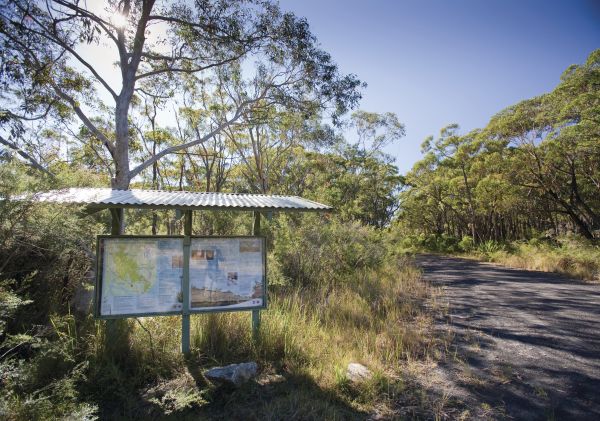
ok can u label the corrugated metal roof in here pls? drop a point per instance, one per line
(160, 199)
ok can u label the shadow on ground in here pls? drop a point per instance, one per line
(268, 397)
(526, 345)
(293, 397)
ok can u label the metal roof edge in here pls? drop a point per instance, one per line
(100, 198)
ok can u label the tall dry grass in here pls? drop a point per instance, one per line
(337, 293)
(308, 336)
(570, 256)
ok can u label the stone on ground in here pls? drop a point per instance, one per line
(233, 374)
(357, 372)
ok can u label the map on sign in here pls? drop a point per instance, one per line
(226, 273)
(140, 275)
(143, 275)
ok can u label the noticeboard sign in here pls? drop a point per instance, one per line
(142, 276)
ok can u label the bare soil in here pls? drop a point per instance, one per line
(525, 345)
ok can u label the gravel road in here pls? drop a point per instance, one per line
(526, 345)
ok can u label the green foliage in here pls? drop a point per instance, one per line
(332, 281)
(422, 242)
(10, 303)
(375, 131)
(490, 247)
(466, 244)
(533, 168)
(570, 255)
(43, 264)
(359, 186)
(326, 253)
(58, 399)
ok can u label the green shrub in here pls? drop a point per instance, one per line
(325, 252)
(570, 255)
(490, 246)
(466, 244)
(429, 243)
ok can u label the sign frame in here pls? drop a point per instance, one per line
(99, 280)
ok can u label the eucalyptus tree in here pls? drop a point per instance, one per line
(456, 152)
(47, 72)
(257, 148)
(535, 167)
(556, 137)
(352, 173)
(375, 131)
(369, 182)
(266, 143)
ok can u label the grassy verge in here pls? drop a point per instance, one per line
(568, 255)
(307, 338)
(570, 258)
(337, 294)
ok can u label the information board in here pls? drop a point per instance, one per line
(142, 276)
(139, 276)
(227, 273)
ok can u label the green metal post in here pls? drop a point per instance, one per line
(256, 313)
(112, 326)
(255, 323)
(256, 225)
(185, 284)
(116, 227)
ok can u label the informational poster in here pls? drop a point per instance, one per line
(227, 273)
(140, 276)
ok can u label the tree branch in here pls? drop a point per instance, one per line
(187, 71)
(55, 39)
(207, 29)
(84, 13)
(24, 118)
(85, 120)
(25, 155)
(198, 141)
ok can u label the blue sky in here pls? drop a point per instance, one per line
(453, 61)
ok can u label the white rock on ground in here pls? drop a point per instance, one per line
(233, 374)
(357, 372)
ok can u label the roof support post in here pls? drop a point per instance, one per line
(185, 284)
(256, 223)
(256, 312)
(117, 224)
(116, 329)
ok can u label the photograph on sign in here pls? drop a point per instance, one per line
(227, 273)
(139, 276)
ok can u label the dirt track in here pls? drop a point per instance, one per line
(526, 344)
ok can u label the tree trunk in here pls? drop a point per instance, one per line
(154, 186)
(580, 223)
(471, 207)
(121, 157)
(121, 180)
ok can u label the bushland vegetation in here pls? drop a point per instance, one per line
(226, 96)
(238, 96)
(339, 292)
(520, 190)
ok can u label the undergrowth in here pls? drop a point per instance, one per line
(569, 255)
(338, 293)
